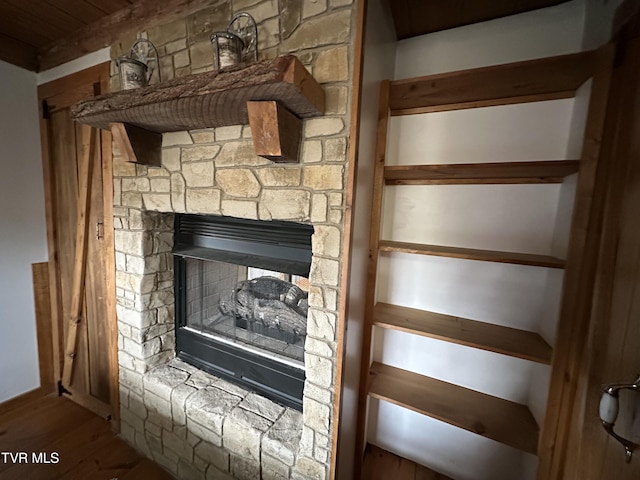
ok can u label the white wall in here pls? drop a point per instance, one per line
(541, 33)
(379, 51)
(522, 218)
(22, 229)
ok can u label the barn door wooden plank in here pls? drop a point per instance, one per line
(96, 292)
(80, 258)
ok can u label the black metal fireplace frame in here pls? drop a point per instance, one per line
(280, 246)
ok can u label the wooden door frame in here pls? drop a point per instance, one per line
(569, 382)
(618, 150)
(608, 356)
(63, 92)
(579, 279)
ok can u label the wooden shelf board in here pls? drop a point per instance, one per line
(501, 420)
(481, 173)
(379, 464)
(472, 254)
(495, 102)
(528, 81)
(471, 333)
(210, 99)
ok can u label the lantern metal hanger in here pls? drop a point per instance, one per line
(136, 69)
(238, 44)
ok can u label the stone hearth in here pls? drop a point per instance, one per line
(194, 424)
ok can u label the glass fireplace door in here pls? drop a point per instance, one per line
(261, 310)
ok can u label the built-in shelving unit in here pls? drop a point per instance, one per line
(472, 254)
(379, 464)
(471, 333)
(212, 99)
(476, 412)
(481, 173)
(496, 418)
(550, 78)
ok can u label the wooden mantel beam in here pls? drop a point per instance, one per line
(209, 99)
(272, 96)
(104, 32)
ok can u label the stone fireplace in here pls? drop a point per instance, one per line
(196, 424)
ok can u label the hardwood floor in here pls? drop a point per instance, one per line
(86, 448)
(382, 465)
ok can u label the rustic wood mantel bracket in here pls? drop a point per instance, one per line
(272, 96)
(275, 130)
(137, 144)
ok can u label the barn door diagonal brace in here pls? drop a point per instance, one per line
(80, 259)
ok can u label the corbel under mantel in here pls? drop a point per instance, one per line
(272, 96)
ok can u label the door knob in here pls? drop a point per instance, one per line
(609, 406)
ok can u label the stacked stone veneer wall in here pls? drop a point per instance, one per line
(196, 425)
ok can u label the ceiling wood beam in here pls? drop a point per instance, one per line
(104, 32)
(18, 53)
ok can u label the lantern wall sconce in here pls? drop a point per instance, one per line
(137, 68)
(238, 44)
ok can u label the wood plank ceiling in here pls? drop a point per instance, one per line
(40, 34)
(28, 27)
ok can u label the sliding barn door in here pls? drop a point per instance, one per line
(75, 162)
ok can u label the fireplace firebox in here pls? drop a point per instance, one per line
(241, 301)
